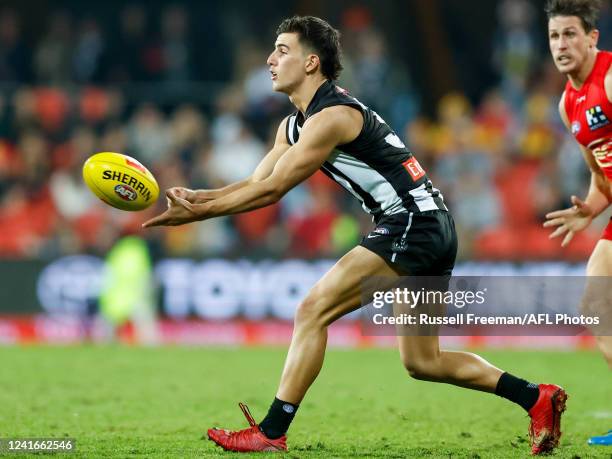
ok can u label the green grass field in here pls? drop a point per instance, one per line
(133, 402)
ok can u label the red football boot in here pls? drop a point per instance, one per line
(545, 426)
(247, 440)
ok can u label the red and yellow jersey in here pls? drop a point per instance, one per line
(590, 113)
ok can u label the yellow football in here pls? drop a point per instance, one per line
(120, 181)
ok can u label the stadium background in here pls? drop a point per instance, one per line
(184, 88)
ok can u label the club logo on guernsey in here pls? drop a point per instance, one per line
(596, 118)
(130, 185)
(576, 127)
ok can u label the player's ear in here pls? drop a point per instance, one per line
(312, 63)
(594, 38)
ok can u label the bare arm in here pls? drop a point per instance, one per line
(266, 166)
(320, 135)
(200, 196)
(599, 196)
(263, 170)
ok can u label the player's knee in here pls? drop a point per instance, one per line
(607, 353)
(420, 369)
(310, 312)
(596, 303)
(605, 345)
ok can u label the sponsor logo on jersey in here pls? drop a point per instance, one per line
(125, 192)
(602, 151)
(576, 127)
(580, 99)
(414, 168)
(596, 118)
(132, 183)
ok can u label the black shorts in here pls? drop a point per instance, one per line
(416, 244)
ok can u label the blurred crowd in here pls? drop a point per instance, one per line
(501, 163)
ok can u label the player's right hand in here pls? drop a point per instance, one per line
(192, 196)
(179, 212)
(182, 193)
(569, 221)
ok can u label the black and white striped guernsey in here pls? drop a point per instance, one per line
(376, 167)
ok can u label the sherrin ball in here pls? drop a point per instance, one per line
(120, 181)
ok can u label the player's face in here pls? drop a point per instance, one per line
(287, 63)
(569, 43)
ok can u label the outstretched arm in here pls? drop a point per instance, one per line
(320, 135)
(263, 170)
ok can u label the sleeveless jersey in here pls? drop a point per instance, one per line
(376, 167)
(590, 113)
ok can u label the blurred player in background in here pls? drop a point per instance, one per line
(586, 110)
(414, 234)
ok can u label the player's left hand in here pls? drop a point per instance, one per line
(569, 221)
(180, 211)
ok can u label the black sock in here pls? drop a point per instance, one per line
(517, 390)
(279, 417)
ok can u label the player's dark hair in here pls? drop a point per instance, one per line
(586, 10)
(321, 38)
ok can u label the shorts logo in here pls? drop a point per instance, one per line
(576, 127)
(413, 167)
(596, 118)
(399, 245)
(381, 230)
(125, 192)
